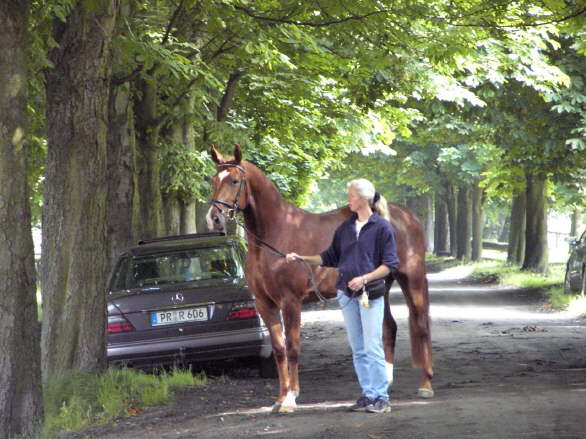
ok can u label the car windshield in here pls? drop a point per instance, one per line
(175, 267)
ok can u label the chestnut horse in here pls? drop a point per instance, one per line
(280, 288)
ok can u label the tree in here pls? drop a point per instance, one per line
(21, 407)
(74, 254)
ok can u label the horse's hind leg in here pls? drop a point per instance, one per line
(389, 338)
(415, 289)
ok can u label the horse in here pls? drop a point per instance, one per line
(274, 227)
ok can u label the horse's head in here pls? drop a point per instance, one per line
(229, 189)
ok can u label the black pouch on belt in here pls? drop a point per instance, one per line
(376, 289)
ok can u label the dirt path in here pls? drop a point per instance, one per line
(504, 369)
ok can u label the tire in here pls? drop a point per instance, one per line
(583, 289)
(567, 285)
(267, 367)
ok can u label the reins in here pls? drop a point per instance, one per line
(260, 243)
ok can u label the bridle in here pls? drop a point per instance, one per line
(232, 207)
(230, 214)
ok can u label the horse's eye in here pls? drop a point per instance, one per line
(234, 182)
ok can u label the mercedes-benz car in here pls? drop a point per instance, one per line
(183, 299)
(575, 279)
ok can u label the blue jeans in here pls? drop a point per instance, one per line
(365, 334)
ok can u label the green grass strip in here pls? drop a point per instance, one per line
(77, 400)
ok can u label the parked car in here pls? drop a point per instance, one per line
(183, 299)
(575, 279)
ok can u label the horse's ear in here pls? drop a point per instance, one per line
(237, 154)
(216, 156)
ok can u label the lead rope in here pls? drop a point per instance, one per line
(268, 247)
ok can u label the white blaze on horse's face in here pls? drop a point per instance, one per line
(222, 175)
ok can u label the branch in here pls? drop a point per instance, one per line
(171, 22)
(227, 98)
(524, 25)
(252, 14)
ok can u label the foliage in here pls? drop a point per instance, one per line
(78, 400)
(183, 173)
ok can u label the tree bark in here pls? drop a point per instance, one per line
(151, 223)
(477, 221)
(122, 202)
(201, 210)
(441, 226)
(188, 218)
(21, 408)
(172, 209)
(74, 249)
(516, 251)
(464, 224)
(452, 218)
(536, 249)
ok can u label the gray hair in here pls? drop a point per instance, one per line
(365, 189)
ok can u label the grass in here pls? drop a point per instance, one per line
(75, 400)
(503, 273)
(500, 271)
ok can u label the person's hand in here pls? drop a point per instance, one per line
(289, 257)
(357, 283)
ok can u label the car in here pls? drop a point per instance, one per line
(575, 278)
(181, 300)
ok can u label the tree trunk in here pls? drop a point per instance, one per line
(422, 205)
(122, 218)
(452, 218)
(503, 235)
(21, 408)
(464, 224)
(188, 218)
(516, 251)
(441, 226)
(428, 220)
(201, 210)
(74, 249)
(148, 161)
(536, 251)
(477, 221)
(576, 224)
(172, 209)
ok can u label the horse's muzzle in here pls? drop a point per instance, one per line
(215, 220)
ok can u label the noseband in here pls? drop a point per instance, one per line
(232, 207)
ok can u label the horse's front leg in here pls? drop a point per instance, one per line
(271, 316)
(292, 320)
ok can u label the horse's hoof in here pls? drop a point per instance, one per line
(287, 408)
(289, 405)
(276, 407)
(425, 393)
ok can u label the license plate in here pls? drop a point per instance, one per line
(172, 316)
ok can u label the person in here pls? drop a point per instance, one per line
(364, 250)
